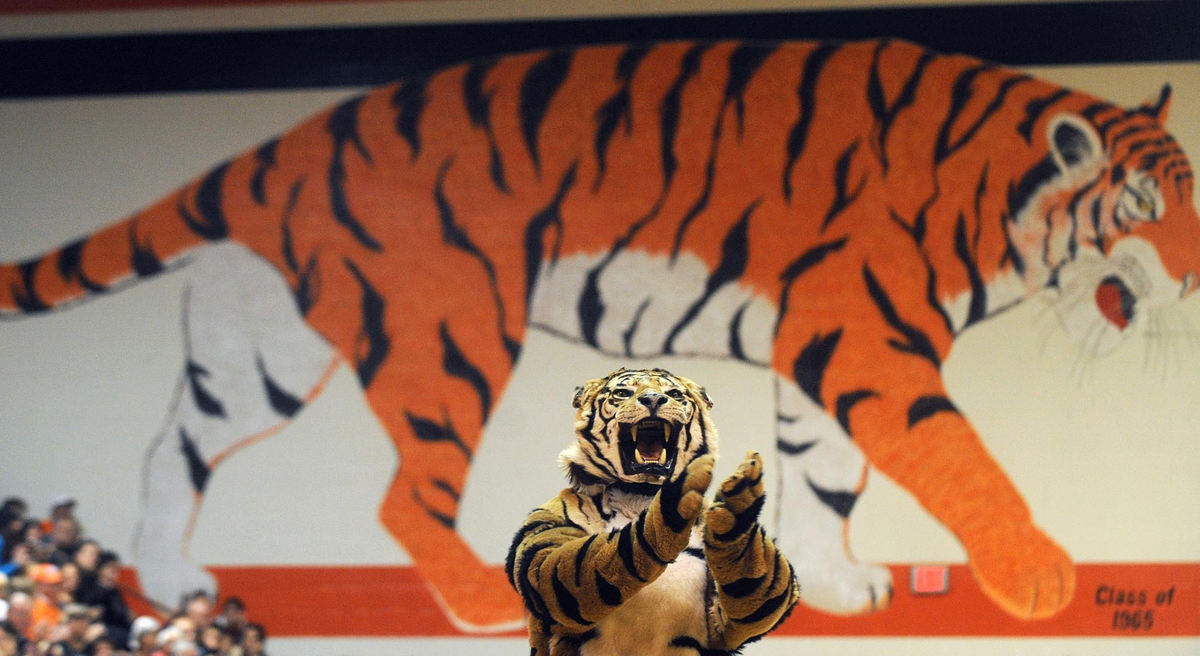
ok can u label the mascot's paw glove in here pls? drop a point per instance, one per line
(739, 501)
(669, 520)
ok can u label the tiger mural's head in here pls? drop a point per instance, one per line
(637, 428)
(1108, 220)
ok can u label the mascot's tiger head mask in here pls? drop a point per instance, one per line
(637, 428)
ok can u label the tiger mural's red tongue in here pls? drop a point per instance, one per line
(1115, 302)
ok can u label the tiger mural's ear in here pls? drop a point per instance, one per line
(1159, 109)
(1074, 143)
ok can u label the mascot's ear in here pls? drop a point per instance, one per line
(587, 391)
(698, 392)
(1074, 143)
(1159, 109)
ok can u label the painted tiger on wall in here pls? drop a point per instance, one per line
(631, 558)
(835, 212)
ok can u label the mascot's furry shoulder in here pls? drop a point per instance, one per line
(631, 558)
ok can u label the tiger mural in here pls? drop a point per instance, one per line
(621, 561)
(836, 212)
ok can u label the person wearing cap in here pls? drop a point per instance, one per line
(143, 636)
(47, 582)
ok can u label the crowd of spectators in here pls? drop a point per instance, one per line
(60, 596)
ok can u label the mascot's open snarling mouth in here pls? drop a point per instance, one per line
(636, 428)
(648, 447)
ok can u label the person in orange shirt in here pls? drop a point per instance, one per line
(47, 613)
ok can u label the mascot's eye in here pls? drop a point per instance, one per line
(622, 393)
(675, 394)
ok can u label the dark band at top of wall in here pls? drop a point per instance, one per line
(1067, 33)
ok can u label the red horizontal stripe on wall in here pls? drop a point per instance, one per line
(1111, 599)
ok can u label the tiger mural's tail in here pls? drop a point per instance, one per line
(835, 212)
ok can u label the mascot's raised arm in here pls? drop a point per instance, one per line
(631, 558)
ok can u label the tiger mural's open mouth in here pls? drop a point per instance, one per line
(648, 447)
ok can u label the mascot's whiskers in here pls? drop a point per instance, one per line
(631, 558)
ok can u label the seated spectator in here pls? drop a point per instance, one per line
(101, 592)
(103, 646)
(78, 634)
(143, 636)
(20, 614)
(254, 640)
(47, 582)
(198, 608)
(233, 617)
(65, 540)
(11, 641)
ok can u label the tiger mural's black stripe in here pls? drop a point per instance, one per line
(456, 236)
(409, 100)
(841, 198)
(846, 402)
(933, 300)
(630, 331)
(809, 368)
(264, 157)
(961, 95)
(928, 406)
(793, 449)
(801, 265)
(807, 93)
(282, 402)
(669, 112)
(373, 343)
(212, 223)
(885, 115)
(447, 520)
(978, 304)
(915, 341)
(616, 111)
(538, 89)
(70, 266)
(287, 240)
(735, 252)
(744, 62)
(204, 400)
(1035, 109)
(842, 503)
(478, 103)
(145, 263)
(427, 430)
(198, 470)
(343, 128)
(736, 349)
(456, 364)
(535, 232)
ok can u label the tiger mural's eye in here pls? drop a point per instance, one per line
(677, 395)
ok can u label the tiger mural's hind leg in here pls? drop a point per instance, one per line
(822, 473)
(251, 365)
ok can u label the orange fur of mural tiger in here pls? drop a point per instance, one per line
(851, 208)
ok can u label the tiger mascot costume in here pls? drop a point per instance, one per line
(621, 562)
(837, 213)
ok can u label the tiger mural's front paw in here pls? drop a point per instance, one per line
(1025, 573)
